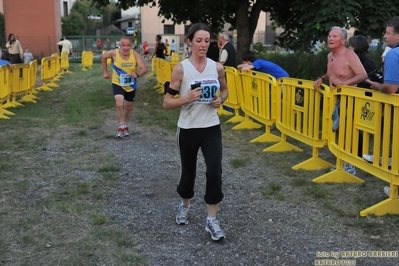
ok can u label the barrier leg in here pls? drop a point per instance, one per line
(2, 114)
(314, 163)
(388, 206)
(266, 137)
(247, 124)
(283, 146)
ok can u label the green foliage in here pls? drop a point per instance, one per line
(309, 21)
(2, 27)
(300, 64)
(76, 23)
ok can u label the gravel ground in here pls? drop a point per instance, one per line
(259, 230)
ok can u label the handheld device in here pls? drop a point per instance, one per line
(196, 85)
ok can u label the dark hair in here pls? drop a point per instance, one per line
(360, 45)
(196, 27)
(248, 56)
(9, 38)
(159, 37)
(5, 56)
(394, 23)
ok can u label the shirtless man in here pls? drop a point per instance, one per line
(343, 68)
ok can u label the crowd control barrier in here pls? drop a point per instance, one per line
(5, 91)
(87, 60)
(21, 84)
(47, 74)
(258, 92)
(65, 63)
(33, 79)
(175, 60)
(302, 115)
(164, 73)
(57, 67)
(374, 117)
(109, 60)
(235, 96)
(153, 67)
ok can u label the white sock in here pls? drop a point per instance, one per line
(181, 204)
(210, 219)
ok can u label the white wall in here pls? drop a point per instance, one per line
(70, 4)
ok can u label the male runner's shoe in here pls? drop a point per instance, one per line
(387, 190)
(370, 157)
(126, 131)
(347, 167)
(214, 229)
(120, 132)
(182, 216)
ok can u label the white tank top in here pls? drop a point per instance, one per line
(199, 114)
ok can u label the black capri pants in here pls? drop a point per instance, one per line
(210, 141)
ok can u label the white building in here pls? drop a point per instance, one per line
(66, 6)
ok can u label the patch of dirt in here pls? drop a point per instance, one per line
(259, 230)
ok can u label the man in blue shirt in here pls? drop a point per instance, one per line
(391, 61)
(250, 62)
(4, 59)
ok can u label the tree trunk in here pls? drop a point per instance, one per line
(242, 25)
(246, 22)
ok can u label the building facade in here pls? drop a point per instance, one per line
(36, 28)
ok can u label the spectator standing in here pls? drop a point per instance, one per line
(387, 48)
(28, 57)
(60, 46)
(14, 49)
(124, 80)
(167, 47)
(199, 124)
(66, 46)
(343, 68)
(213, 50)
(146, 50)
(391, 63)
(160, 48)
(172, 47)
(227, 55)
(250, 62)
(5, 59)
(360, 46)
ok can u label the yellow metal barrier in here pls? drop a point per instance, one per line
(304, 118)
(5, 91)
(174, 60)
(370, 113)
(65, 63)
(57, 66)
(87, 60)
(258, 92)
(33, 79)
(153, 67)
(109, 60)
(19, 84)
(163, 73)
(26, 83)
(235, 96)
(47, 73)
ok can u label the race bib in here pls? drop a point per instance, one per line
(126, 79)
(210, 88)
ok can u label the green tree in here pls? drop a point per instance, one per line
(2, 28)
(76, 23)
(303, 21)
(214, 13)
